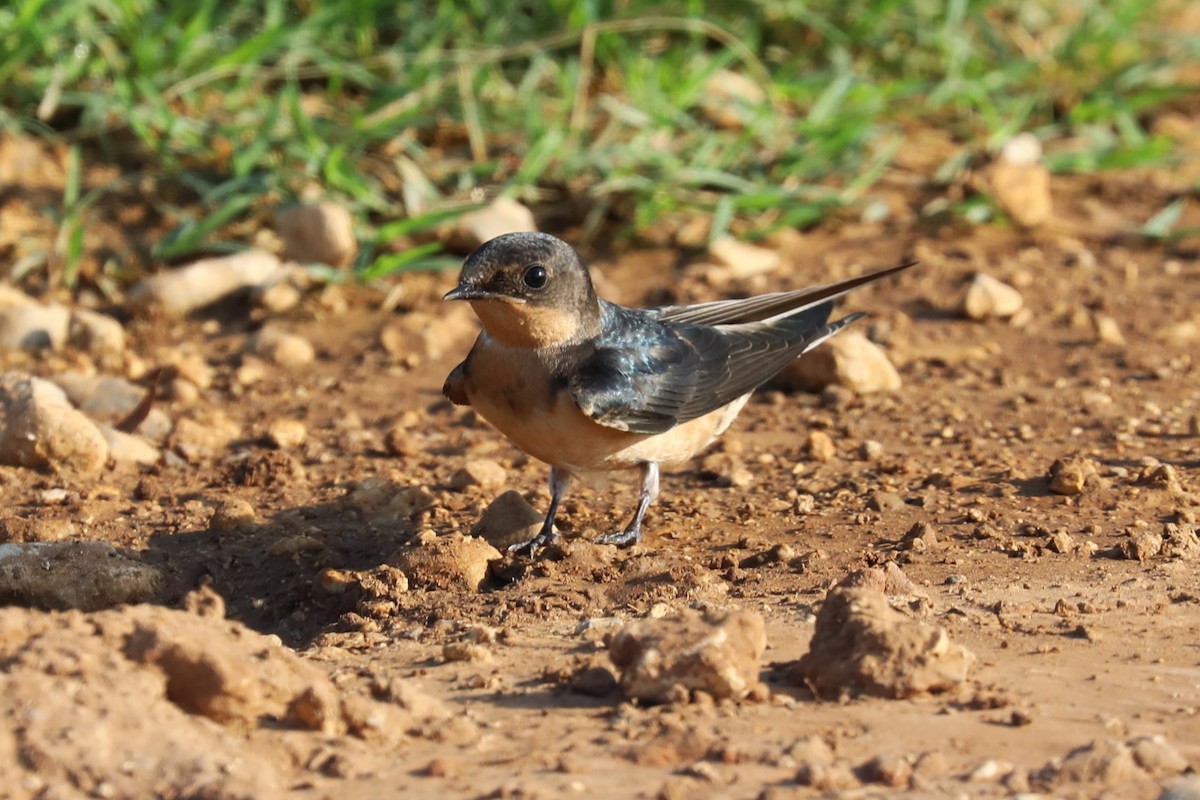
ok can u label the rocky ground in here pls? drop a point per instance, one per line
(954, 554)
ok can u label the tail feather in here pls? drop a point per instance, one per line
(770, 307)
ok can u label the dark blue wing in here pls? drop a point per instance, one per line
(647, 375)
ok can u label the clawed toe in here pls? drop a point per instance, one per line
(626, 538)
(530, 548)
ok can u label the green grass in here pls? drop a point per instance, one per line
(410, 112)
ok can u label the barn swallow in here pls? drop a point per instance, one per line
(587, 386)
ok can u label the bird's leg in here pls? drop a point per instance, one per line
(633, 531)
(560, 479)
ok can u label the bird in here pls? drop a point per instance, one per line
(585, 385)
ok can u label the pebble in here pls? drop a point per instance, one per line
(378, 499)
(96, 333)
(1020, 183)
(861, 646)
(987, 297)
(664, 660)
(503, 215)
(465, 651)
(189, 364)
(181, 291)
(103, 396)
(729, 99)
(1071, 476)
(34, 326)
(89, 576)
(40, 429)
(321, 233)
(1140, 545)
(508, 520)
(482, 473)
(12, 296)
(885, 501)
(1184, 789)
(740, 261)
(286, 434)
(849, 360)
(870, 450)
(207, 434)
(129, 447)
(1108, 331)
(276, 346)
(450, 563)
(594, 682)
(232, 515)
(819, 446)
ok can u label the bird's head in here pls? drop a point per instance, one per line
(529, 290)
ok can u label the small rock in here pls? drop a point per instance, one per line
(232, 515)
(33, 327)
(833, 778)
(95, 333)
(1141, 545)
(89, 576)
(717, 653)
(594, 682)
(1108, 330)
(207, 434)
(739, 261)
(380, 500)
(281, 348)
(277, 296)
(889, 580)
(1106, 762)
(482, 473)
(1180, 541)
(181, 291)
(452, 563)
(508, 520)
(1071, 476)
(129, 447)
(190, 365)
(987, 297)
(320, 233)
(885, 501)
(504, 215)
(730, 100)
(870, 450)
(1061, 542)
(465, 651)
(892, 771)
(849, 360)
(1184, 789)
(1157, 756)
(863, 646)
(37, 529)
(286, 434)
(1020, 183)
(103, 396)
(40, 429)
(381, 590)
(12, 296)
(819, 446)
(920, 538)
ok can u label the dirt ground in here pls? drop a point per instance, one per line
(1082, 610)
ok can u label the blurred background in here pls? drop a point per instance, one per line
(143, 133)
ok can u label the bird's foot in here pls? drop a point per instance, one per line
(544, 539)
(625, 538)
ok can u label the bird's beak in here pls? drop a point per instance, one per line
(463, 292)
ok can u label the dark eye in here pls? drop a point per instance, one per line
(535, 277)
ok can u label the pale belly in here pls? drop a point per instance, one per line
(511, 390)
